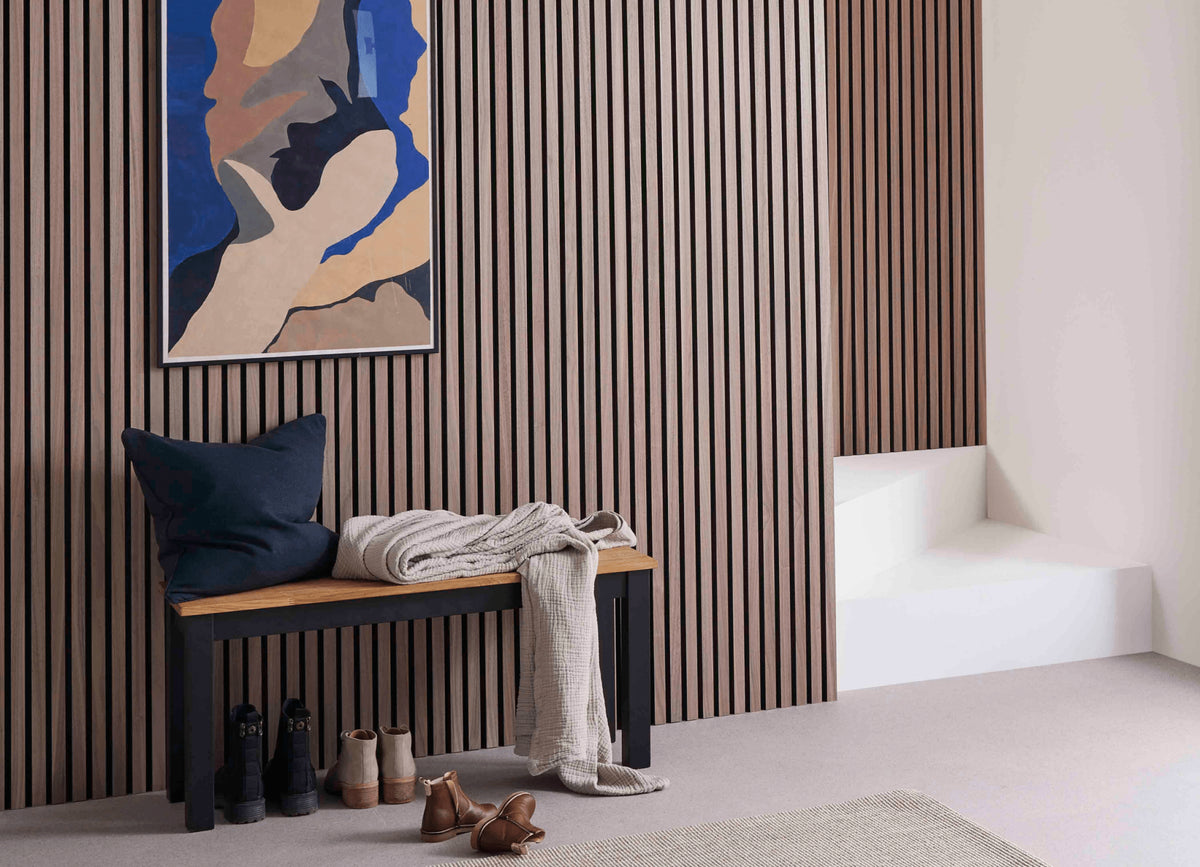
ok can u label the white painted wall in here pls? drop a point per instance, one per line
(1092, 222)
(890, 507)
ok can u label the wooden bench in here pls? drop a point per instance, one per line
(623, 605)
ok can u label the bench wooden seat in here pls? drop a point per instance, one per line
(623, 612)
(612, 560)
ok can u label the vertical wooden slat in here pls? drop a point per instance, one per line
(670, 397)
(649, 441)
(436, 394)
(945, 235)
(966, 138)
(770, 280)
(566, 267)
(477, 252)
(117, 415)
(869, 199)
(908, 222)
(508, 705)
(57, 331)
(614, 484)
(921, 282)
(505, 464)
(883, 225)
(37, 342)
(145, 399)
(688, 266)
(594, 217)
(734, 238)
(273, 693)
(347, 484)
(709, 393)
(955, 194)
(402, 664)
(820, 579)
(383, 455)
(934, 244)
(789, 371)
(16, 394)
(505, 289)
(362, 458)
(976, 79)
(538, 164)
(521, 216)
(452, 710)
(832, 41)
(719, 647)
(859, 214)
(6, 436)
(439, 697)
(754, 301)
(328, 711)
(555, 218)
(897, 236)
(811, 421)
(173, 388)
(311, 691)
(458, 360)
(796, 156)
(841, 227)
(419, 669)
(715, 515)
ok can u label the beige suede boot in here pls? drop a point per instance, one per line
(355, 774)
(397, 772)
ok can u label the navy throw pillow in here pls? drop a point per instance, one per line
(231, 517)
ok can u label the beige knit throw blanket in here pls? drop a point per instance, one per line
(561, 720)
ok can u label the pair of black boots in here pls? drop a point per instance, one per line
(243, 784)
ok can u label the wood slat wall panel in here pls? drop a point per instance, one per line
(906, 223)
(631, 232)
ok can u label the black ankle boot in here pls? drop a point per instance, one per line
(290, 776)
(240, 779)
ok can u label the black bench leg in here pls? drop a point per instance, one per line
(174, 646)
(605, 609)
(199, 791)
(635, 694)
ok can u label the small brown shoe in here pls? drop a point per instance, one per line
(509, 829)
(448, 810)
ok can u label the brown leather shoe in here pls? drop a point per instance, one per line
(509, 829)
(448, 810)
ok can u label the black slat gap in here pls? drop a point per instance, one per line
(824, 578)
(9, 579)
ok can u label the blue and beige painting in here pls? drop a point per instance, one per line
(298, 178)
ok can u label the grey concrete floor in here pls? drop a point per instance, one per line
(1089, 763)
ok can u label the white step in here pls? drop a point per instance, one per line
(992, 597)
(891, 507)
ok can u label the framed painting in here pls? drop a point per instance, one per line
(297, 180)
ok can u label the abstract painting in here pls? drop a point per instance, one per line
(297, 184)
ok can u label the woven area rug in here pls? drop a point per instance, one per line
(897, 829)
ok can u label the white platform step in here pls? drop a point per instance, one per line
(989, 598)
(891, 507)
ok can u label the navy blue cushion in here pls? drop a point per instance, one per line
(231, 517)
